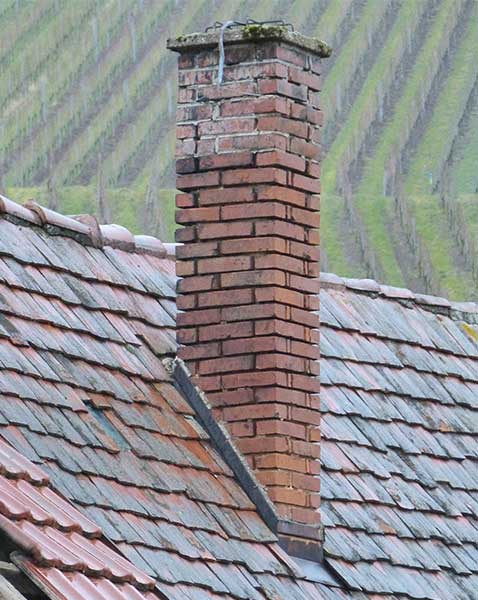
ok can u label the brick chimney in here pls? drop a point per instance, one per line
(248, 169)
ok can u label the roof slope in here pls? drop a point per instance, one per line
(400, 440)
(84, 393)
(65, 551)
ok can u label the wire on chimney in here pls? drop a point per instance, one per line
(220, 75)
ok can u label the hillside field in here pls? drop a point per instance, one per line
(87, 97)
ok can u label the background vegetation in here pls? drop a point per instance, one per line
(87, 97)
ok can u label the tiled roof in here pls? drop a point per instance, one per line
(399, 482)
(86, 319)
(65, 549)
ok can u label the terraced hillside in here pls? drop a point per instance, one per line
(87, 97)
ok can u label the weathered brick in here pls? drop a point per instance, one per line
(251, 176)
(197, 180)
(222, 161)
(197, 215)
(232, 125)
(226, 196)
(224, 264)
(253, 141)
(277, 123)
(281, 159)
(248, 158)
(253, 106)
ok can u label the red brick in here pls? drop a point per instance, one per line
(227, 90)
(220, 231)
(283, 362)
(258, 244)
(288, 495)
(252, 106)
(282, 88)
(282, 228)
(281, 159)
(253, 379)
(184, 200)
(258, 445)
(232, 398)
(307, 516)
(255, 345)
(279, 261)
(278, 327)
(276, 394)
(277, 427)
(185, 131)
(224, 264)
(199, 351)
(226, 196)
(304, 481)
(196, 112)
(282, 124)
(311, 80)
(196, 283)
(308, 184)
(222, 161)
(305, 415)
(197, 215)
(252, 278)
(226, 364)
(197, 250)
(186, 302)
(313, 169)
(197, 180)
(305, 449)
(281, 461)
(282, 194)
(274, 477)
(254, 211)
(244, 429)
(226, 331)
(184, 268)
(257, 70)
(282, 295)
(255, 311)
(185, 147)
(225, 298)
(250, 261)
(254, 141)
(256, 175)
(292, 55)
(303, 148)
(261, 411)
(233, 125)
(198, 317)
(186, 336)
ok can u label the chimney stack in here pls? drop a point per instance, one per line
(248, 171)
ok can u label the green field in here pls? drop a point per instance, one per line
(87, 90)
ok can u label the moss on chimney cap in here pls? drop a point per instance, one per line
(253, 32)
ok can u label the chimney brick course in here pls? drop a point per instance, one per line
(248, 172)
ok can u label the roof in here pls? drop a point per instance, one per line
(399, 482)
(86, 331)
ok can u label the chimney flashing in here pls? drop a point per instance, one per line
(298, 540)
(254, 32)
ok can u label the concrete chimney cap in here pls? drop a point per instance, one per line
(255, 32)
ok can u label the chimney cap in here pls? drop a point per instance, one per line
(251, 32)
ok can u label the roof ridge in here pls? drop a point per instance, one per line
(370, 286)
(86, 228)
